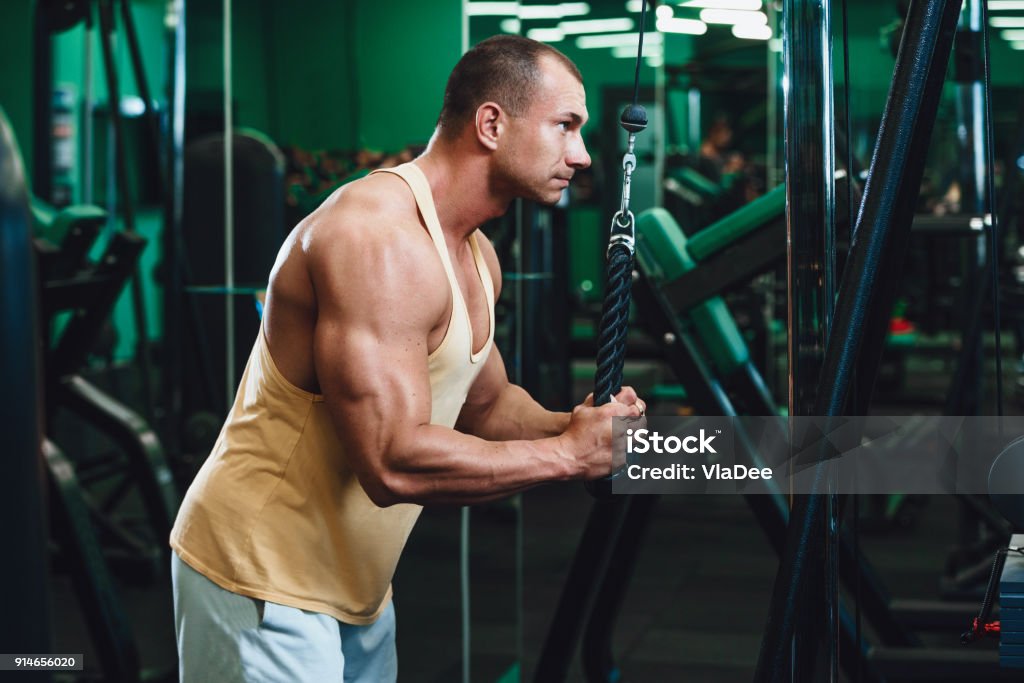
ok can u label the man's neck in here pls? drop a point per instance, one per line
(460, 183)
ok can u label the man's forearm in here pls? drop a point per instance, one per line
(515, 415)
(433, 464)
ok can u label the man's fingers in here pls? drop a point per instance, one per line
(621, 410)
(626, 395)
(629, 396)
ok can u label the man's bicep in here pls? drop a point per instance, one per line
(370, 350)
(375, 387)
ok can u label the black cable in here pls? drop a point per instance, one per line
(611, 356)
(993, 230)
(639, 52)
(614, 323)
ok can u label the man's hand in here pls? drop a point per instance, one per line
(628, 396)
(589, 434)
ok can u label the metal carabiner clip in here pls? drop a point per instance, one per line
(622, 232)
(628, 164)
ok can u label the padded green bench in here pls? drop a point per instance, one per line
(667, 256)
(733, 250)
(55, 224)
(63, 237)
(662, 252)
(696, 185)
(738, 224)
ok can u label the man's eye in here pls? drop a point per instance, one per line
(564, 125)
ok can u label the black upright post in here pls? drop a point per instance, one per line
(171, 377)
(964, 395)
(42, 95)
(809, 121)
(544, 321)
(878, 248)
(24, 573)
(142, 83)
(127, 203)
(810, 193)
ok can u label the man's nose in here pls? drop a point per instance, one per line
(577, 156)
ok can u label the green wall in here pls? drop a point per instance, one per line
(406, 50)
(16, 82)
(309, 73)
(326, 74)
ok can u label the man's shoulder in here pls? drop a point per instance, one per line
(377, 196)
(379, 208)
(368, 229)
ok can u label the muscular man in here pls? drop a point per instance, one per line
(374, 388)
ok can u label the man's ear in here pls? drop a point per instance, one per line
(490, 124)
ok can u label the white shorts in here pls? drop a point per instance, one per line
(223, 636)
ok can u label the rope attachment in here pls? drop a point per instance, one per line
(611, 354)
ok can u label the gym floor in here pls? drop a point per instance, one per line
(694, 611)
(696, 605)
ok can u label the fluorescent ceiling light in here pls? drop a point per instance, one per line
(636, 5)
(663, 12)
(596, 25)
(511, 25)
(132, 105)
(565, 9)
(514, 9)
(732, 16)
(492, 9)
(630, 51)
(1013, 34)
(651, 59)
(1003, 5)
(691, 27)
(616, 39)
(546, 35)
(727, 4)
(1017, 45)
(752, 31)
(1006, 22)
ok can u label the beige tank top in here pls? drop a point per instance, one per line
(276, 511)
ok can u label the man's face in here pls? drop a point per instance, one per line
(542, 149)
